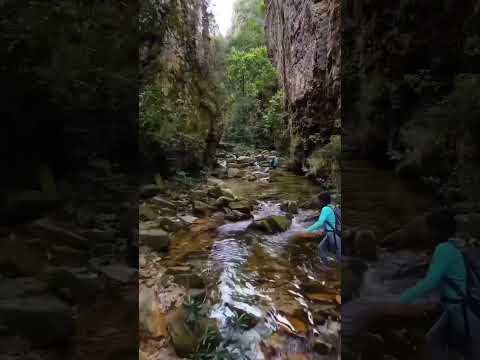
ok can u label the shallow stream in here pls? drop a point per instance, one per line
(289, 292)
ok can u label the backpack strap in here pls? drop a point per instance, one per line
(454, 286)
(471, 271)
(471, 302)
(462, 301)
(331, 227)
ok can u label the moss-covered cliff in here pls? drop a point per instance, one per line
(179, 101)
(304, 43)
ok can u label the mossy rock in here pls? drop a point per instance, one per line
(186, 338)
(272, 225)
(183, 338)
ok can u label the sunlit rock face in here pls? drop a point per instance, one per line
(303, 38)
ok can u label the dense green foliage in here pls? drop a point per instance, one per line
(257, 107)
(250, 73)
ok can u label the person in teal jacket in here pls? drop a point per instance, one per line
(325, 227)
(451, 331)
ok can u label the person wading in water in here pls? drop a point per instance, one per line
(459, 325)
(326, 227)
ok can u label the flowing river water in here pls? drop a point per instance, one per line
(289, 293)
(283, 284)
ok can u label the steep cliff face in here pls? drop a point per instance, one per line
(179, 105)
(409, 72)
(303, 38)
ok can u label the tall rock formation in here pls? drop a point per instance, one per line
(303, 38)
(410, 70)
(179, 103)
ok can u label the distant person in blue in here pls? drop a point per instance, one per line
(274, 162)
(325, 227)
(459, 327)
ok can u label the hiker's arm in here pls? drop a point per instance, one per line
(433, 278)
(319, 224)
(309, 236)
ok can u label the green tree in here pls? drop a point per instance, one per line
(256, 109)
(250, 73)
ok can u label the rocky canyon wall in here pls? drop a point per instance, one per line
(179, 104)
(303, 38)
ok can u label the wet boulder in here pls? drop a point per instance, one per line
(188, 219)
(245, 159)
(201, 208)
(243, 206)
(214, 192)
(272, 225)
(198, 195)
(170, 224)
(164, 203)
(228, 193)
(235, 215)
(156, 239)
(220, 171)
(223, 201)
(148, 225)
(289, 207)
(233, 172)
(152, 320)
